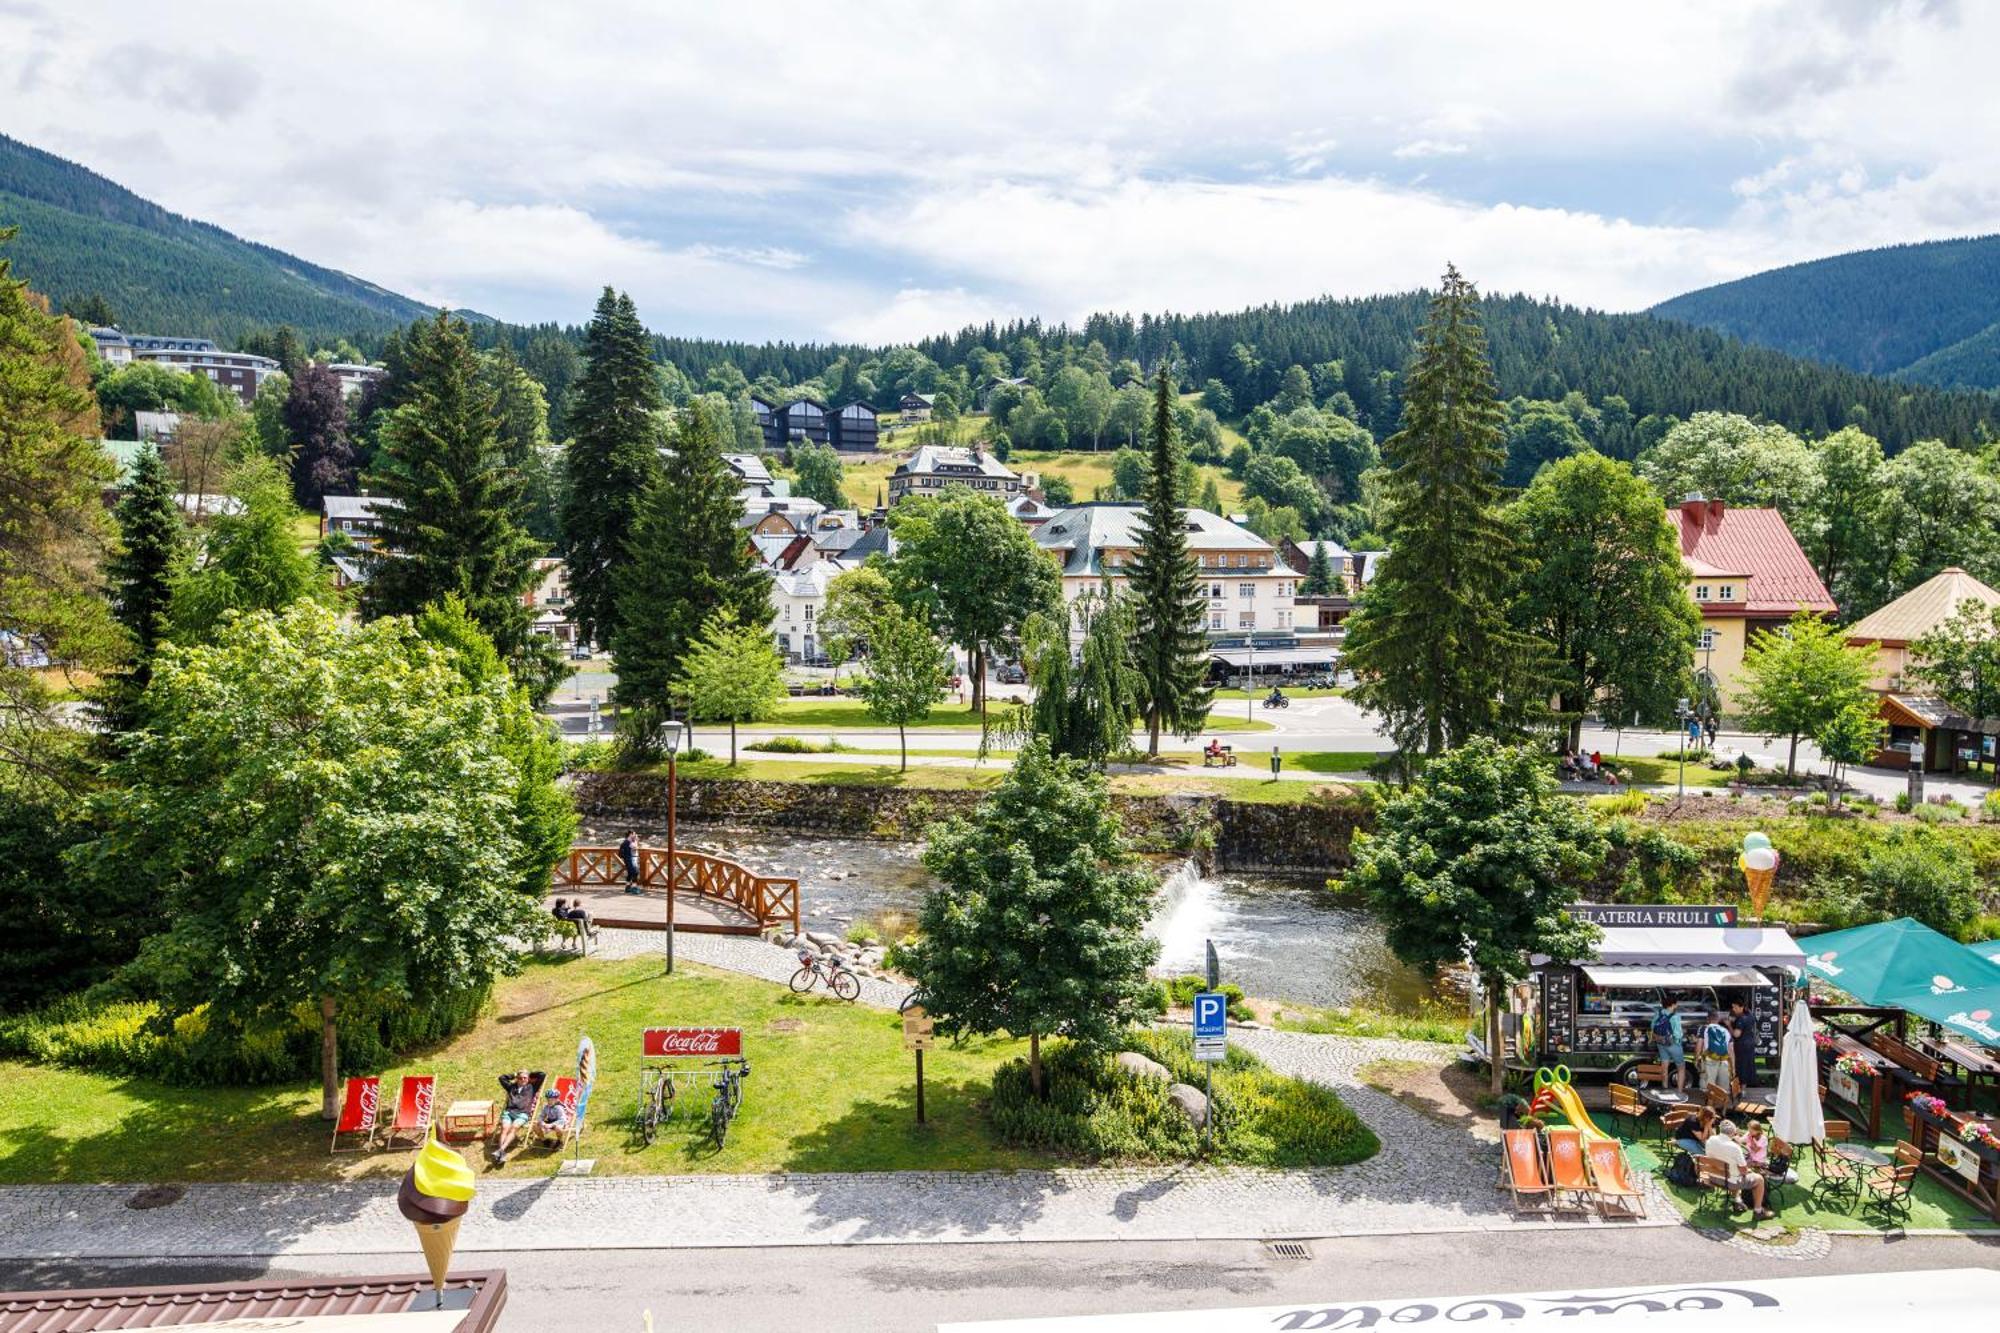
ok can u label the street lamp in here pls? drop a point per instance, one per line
(671, 735)
(1681, 711)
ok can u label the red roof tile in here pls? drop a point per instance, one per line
(1782, 580)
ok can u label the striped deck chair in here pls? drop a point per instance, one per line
(413, 1110)
(563, 1092)
(357, 1114)
(1567, 1170)
(1616, 1195)
(1523, 1172)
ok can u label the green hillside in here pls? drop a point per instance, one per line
(163, 273)
(1928, 313)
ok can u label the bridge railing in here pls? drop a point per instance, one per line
(771, 899)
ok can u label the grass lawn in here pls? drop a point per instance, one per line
(831, 1089)
(1335, 761)
(1436, 1023)
(1087, 470)
(1931, 1205)
(842, 714)
(921, 776)
(1652, 770)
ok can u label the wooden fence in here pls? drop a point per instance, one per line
(771, 899)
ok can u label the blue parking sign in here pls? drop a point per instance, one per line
(1211, 1014)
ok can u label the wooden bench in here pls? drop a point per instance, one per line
(1907, 1056)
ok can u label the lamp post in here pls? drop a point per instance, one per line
(1681, 711)
(672, 736)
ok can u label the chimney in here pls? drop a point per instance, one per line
(1715, 508)
(1695, 506)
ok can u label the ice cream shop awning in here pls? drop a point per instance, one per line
(1719, 949)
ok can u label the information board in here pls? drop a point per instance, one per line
(1559, 1009)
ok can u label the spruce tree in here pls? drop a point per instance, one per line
(1319, 573)
(686, 560)
(454, 522)
(612, 460)
(1170, 641)
(1431, 642)
(142, 573)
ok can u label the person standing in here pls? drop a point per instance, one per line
(1667, 1041)
(1743, 1042)
(628, 852)
(1715, 1047)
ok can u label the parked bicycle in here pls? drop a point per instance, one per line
(815, 968)
(656, 1102)
(728, 1097)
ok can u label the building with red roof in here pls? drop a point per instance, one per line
(1746, 575)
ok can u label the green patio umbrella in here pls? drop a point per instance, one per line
(1987, 949)
(1970, 1012)
(1882, 963)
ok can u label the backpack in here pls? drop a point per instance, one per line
(1681, 1171)
(1716, 1038)
(1663, 1026)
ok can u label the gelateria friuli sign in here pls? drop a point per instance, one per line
(1652, 916)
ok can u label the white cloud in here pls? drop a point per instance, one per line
(797, 171)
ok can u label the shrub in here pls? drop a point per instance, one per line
(862, 932)
(1990, 807)
(1902, 803)
(589, 756)
(1947, 812)
(1095, 1111)
(1919, 874)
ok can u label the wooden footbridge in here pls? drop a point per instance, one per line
(711, 894)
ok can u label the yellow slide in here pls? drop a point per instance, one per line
(1555, 1085)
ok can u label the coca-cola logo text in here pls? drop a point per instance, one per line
(693, 1041)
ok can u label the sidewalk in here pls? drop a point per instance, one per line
(1427, 1178)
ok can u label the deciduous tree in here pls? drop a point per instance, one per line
(1038, 928)
(1798, 680)
(732, 674)
(820, 474)
(1476, 862)
(251, 559)
(1960, 659)
(908, 672)
(1088, 696)
(315, 422)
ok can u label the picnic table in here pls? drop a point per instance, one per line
(465, 1120)
(1972, 1064)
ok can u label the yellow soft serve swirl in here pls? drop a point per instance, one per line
(442, 1174)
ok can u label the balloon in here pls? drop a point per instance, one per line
(1753, 841)
(1762, 858)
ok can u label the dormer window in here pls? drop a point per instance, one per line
(1701, 592)
(1726, 593)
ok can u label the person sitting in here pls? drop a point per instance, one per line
(579, 914)
(1757, 1150)
(555, 1118)
(1214, 750)
(521, 1089)
(1726, 1147)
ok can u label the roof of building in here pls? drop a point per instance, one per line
(353, 506)
(949, 460)
(404, 1299)
(878, 540)
(125, 453)
(749, 467)
(1922, 609)
(1027, 508)
(1756, 542)
(927, 399)
(1083, 532)
(809, 581)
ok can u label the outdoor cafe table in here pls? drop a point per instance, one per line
(1968, 1169)
(1970, 1062)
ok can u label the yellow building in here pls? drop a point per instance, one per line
(1745, 574)
(1918, 720)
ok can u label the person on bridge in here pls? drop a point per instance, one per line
(628, 852)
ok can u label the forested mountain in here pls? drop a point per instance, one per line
(83, 236)
(1540, 349)
(1928, 313)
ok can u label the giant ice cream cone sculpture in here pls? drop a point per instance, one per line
(1760, 866)
(436, 1191)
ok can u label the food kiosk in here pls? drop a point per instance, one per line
(1596, 1014)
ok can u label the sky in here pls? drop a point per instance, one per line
(882, 171)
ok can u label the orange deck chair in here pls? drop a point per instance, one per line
(1523, 1171)
(1567, 1169)
(358, 1101)
(413, 1110)
(1616, 1196)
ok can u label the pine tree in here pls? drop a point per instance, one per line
(142, 573)
(612, 461)
(315, 420)
(1170, 642)
(454, 522)
(687, 560)
(1319, 573)
(1431, 642)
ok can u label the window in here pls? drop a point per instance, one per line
(1707, 640)
(1215, 620)
(1701, 592)
(809, 613)
(1242, 560)
(1726, 593)
(1284, 620)
(1246, 620)
(1246, 590)
(1215, 592)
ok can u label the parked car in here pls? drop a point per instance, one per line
(1011, 673)
(580, 653)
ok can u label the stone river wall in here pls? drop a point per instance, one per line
(1313, 838)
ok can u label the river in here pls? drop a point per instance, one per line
(1282, 939)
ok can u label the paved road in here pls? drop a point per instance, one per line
(894, 1289)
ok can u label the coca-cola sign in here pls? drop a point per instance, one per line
(694, 1041)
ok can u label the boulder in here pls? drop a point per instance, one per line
(1139, 1066)
(823, 941)
(1193, 1104)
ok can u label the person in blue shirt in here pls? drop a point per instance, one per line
(1668, 1039)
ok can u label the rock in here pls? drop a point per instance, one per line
(1192, 1103)
(1139, 1066)
(823, 941)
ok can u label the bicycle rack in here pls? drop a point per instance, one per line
(689, 1058)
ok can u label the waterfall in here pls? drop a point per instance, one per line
(1183, 918)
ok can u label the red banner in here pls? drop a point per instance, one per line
(693, 1041)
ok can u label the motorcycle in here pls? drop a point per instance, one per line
(1275, 699)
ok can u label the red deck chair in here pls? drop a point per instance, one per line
(1566, 1168)
(563, 1092)
(357, 1114)
(413, 1110)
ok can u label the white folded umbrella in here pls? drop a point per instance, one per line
(1799, 1120)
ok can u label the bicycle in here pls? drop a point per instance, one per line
(813, 968)
(728, 1097)
(656, 1103)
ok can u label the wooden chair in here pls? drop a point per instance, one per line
(1838, 1131)
(1650, 1073)
(1774, 1181)
(1523, 1172)
(1627, 1103)
(1616, 1195)
(1889, 1192)
(1711, 1178)
(1838, 1180)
